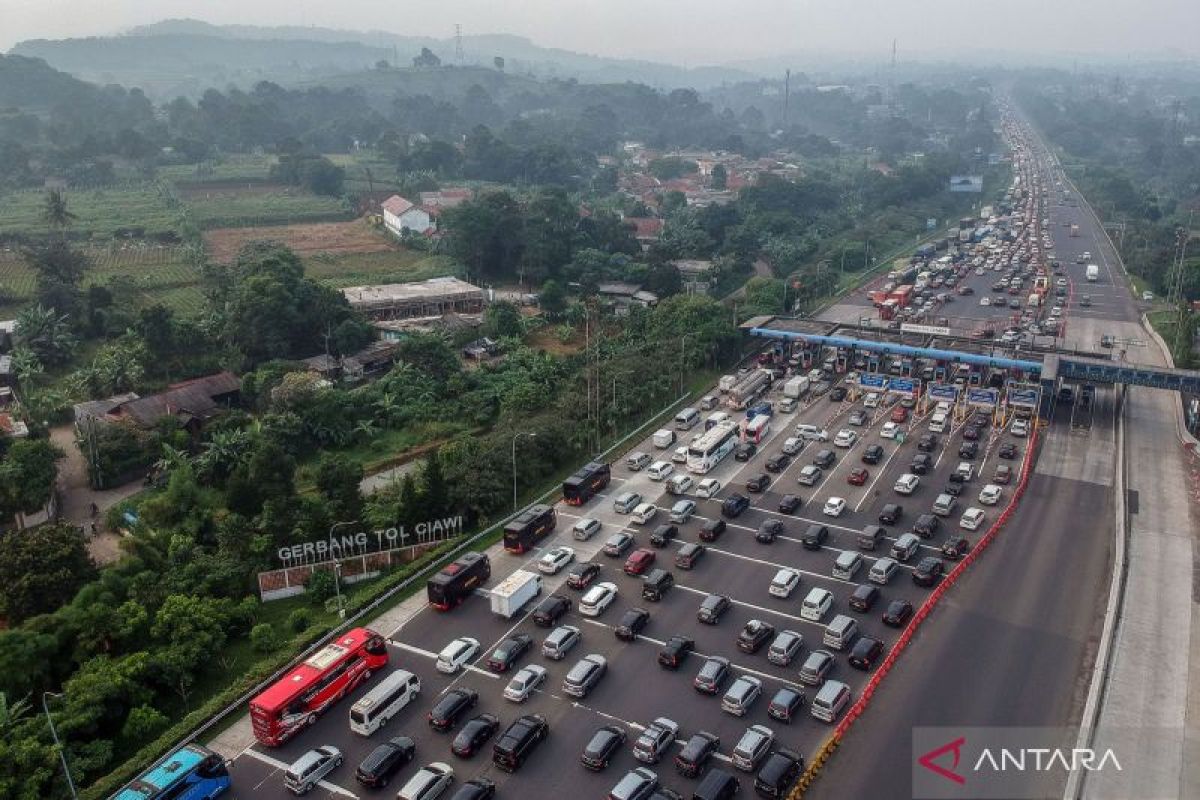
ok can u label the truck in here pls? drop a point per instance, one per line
(1075, 230)
(902, 295)
(748, 388)
(795, 387)
(726, 383)
(1093, 273)
(1035, 300)
(512, 593)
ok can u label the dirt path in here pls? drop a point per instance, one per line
(76, 497)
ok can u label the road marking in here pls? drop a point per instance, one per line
(879, 474)
(432, 655)
(282, 767)
(777, 565)
(637, 726)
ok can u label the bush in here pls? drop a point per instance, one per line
(143, 724)
(263, 638)
(299, 620)
(321, 586)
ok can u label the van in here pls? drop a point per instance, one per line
(717, 784)
(972, 518)
(829, 702)
(660, 470)
(882, 571)
(656, 585)
(643, 513)
(904, 547)
(626, 502)
(637, 461)
(805, 431)
(870, 537)
(714, 419)
(816, 604)
(787, 405)
(840, 632)
(664, 438)
(937, 423)
(306, 771)
(847, 565)
(944, 504)
(687, 419)
(708, 402)
(373, 710)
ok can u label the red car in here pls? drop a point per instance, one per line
(899, 414)
(639, 561)
(857, 477)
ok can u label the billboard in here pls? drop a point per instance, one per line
(943, 391)
(983, 397)
(872, 380)
(902, 385)
(932, 330)
(1023, 397)
(966, 183)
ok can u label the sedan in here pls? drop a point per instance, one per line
(990, 495)
(597, 599)
(639, 561)
(603, 747)
(810, 475)
(758, 483)
(863, 597)
(1007, 450)
(734, 505)
(857, 418)
(474, 735)
(927, 443)
(457, 653)
(508, 651)
(550, 610)
(476, 789)
(778, 462)
(754, 635)
(834, 507)
(956, 547)
(899, 414)
(632, 623)
(617, 544)
(867, 650)
(523, 684)
(857, 476)
(453, 705)
(555, 559)
(898, 613)
(712, 608)
(768, 530)
(873, 454)
(638, 784)
(845, 438)
(928, 571)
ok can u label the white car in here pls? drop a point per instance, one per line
(985, 301)
(430, 782)
(680, 455)
(834, 507)
(793, 445)
(682, 511)
(457, 653)
(906, 484)
(1019, 428)
(990, 495)
(784, 583)
(871, 400)
(555, 559)
(598, 598)
(661, 470)
(523, 684)
(889, 430)
(972, 518)
(845, 438)
(680, 484)
(708, 488)
(809, 475)
(585, 528)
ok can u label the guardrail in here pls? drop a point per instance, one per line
(864, 699)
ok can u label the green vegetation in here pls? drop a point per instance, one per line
(104, 213)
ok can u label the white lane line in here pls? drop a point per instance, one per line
(282, 767)
(777, 565)
(763, 609)
(879, 474)
(433, 656)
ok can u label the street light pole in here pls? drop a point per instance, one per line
(682, 359)
(62, 754)
(337, 569)
(514, 462)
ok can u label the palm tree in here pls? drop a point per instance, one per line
(365, 429)
(171, 459)
(55, 213)
(224, 452)
(388, 408)
(27, 365)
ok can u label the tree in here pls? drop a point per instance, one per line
(47, 334)
(143, 724)
(338, 479)
(427, 59)
(435, 494)
(551, 223)
(27, 475)
(720, 177)
(263, 638)
(55, 213)
(42, 568)
(59, 269)
(552, 298)
(501, 319)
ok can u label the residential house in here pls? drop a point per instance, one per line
(624, 295)
(697, 275)
(193, 403)
(401, 215)
(432, 297)
(646, 230)
(372, 361)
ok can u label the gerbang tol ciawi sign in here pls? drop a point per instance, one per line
(364, 542)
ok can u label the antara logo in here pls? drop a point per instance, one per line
(955, 747)
(1038, 759)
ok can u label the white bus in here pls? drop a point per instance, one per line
(757, 428)
(376, 707)
(708, 450)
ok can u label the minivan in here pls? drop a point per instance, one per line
(637, 460)
(805, 431)
(626, 502)
(384, 701)
(937, 423)
(847, 565)
(643, 513)
(829, 702)
(840, 632)
(870, 536)
(904, 547)
(308, 769)
(687, 419)
(816, 604)
(944, 504)
(717, 784)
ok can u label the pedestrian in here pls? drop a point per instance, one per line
(95, 510)
(93, 529)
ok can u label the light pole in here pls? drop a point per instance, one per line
(514, 462)
(62, 754)
(682, 359)
(337, 569)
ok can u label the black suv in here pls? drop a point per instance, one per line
(675, 652)
(786, 704)
(754, 635)
(734, 505)
(928, 571)
(866, 652)
(712, 608)
(712, 676)
(518, 741)
(872, 454)
(921, 464)
(780, 771)
(633, 622)
(551, 610)
(789, 504)
(604, 745)
(758, 483)
(891, 514)
(968, 450)
(824, 459)
(956, 547)
(768, 530)
(927, 443)
(927, 526)
(696, 753)
(663, 535)
(582, 574)
(814, 538)
(712, 529)
(1007, 450)
(778, 462)
(453, 705)
(863, 597)
(745, 451)
(385, 761)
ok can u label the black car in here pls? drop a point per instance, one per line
(453, 705)
(789, 504)
(970, 433)
(968, 450)
(779, 773)
(786, 704)
(713, 676)
(778, 462)
(872, 454)
(695, 754)
(550, 611)
(675, 652)
(814, 538)
(688, 554)
(711, 530)
(663, 535)
(382, 763)
(508, 651)
(475, 789)
(927, 443)
(928, 571)
(837, 394)
(954, 488)
(863, 597)
(824, 459)
(604, 745)
(758, 483)
(518, 741)
(745, 451)
(734, 505)
(768, 530)
(927, 526)
(633, 621)
(921, 464)
(898, 612)
(475, 735)
(956, 547)
(581, 574)
(1007, 450)
(712, 608)
(891, 514)
(754, 635)
(867, 650)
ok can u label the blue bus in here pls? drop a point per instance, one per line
(190, 773)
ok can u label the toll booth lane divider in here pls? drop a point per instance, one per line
(864, 699)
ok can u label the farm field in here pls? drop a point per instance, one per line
(331, 237)
(393, 266)
(242, 167)
(241, 209)
(99, 213)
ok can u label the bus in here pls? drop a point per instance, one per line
(712, 447)
(190, 773)
(455, 582)
(311, 688)
(584, 484)
(756, 429)
(386, 699)
(531, 525)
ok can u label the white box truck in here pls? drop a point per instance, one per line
(514, 592)
(726, 383)
(795, 387)
(1093, 272)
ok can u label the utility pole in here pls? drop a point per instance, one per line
(62, 754)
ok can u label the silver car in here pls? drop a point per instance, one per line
(306, 771)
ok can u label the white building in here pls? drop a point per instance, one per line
(400, 215)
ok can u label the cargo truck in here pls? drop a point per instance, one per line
(795, 387)
(748, 388)
(512, 593)
(1075, 230)
(1093, 273)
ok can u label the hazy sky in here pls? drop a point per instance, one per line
(684, 31)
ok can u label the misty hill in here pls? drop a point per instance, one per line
(33, 85)
(188, 56)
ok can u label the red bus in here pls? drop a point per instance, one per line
(299, 697)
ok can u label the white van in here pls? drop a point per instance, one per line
(847, 565)
(904, 547)
(660, 470)
(829, 702)
(787, 405)
(687, 419)
(840, 632)
(664, 438)
(805, 431)
(972, 518)
(816, 604)
(937, 423)
(644, 513)
(376, 707)
(944, 504)
(637, 461)
(882, 570)
(714, 419)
